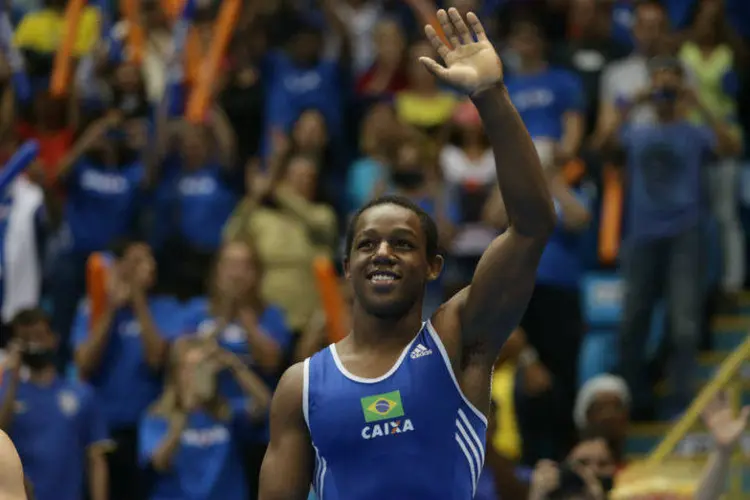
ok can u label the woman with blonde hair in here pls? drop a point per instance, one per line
(188, 440)
(237, 317)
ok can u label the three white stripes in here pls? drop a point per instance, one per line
(320, 473)
(471, 446)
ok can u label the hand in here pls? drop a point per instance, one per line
(471, 66)
(544, 480)
(593, 484)
(536, 379)
(13, 360)
(120, 292)
(723, 426)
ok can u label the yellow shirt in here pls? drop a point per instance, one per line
(287, 240)
(425, 112)
(43, 31)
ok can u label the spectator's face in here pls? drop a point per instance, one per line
(380, 129)
(609, 413)
(388, 243)
(194, 146)
(408, 171)
(389, 43)
(306, 47)
(39, 344)
(237, 269)
(190, 378)
(649, 28)
(128, 78)
(708, 20)
(419, 76)
(666, 84)
(138, 264)
(595, 455)
(591, 15)
(310, 133)
(526, 41)
(302, 177)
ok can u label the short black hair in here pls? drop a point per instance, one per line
(29, 317)
(429, 228)
(657, 4)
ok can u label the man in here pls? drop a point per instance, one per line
(55, 423)
(12, 486)
(379, 415)
(121, 354)
(622, 80)
(663, 250)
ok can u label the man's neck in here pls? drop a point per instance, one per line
(43, 376)
(370, 332)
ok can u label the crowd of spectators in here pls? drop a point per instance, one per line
(209, 231)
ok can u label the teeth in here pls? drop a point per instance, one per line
(382, 277)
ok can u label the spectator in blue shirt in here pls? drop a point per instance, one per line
(189, 439)
(121, 354)
(240, 321)
(663, 250)
(102, 175)
(55, 424)
(549, 100)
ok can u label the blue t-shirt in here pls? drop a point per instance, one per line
(206, 466)
(52, 428)
(101, 203)
(124, 383)
(562, 261)
(293, 89)
(665, 176)
(195, 205)
(543, 98)
(197, 319)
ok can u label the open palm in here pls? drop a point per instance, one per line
(724, 427)
(470, 65)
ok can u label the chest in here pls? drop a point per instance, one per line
(98, 184)
(233, 337)
(52, 413)
(413, 409)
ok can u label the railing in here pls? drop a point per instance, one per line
(725, 378)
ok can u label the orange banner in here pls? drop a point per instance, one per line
(331, 298)
(131, 11)
(202, 92)
(61, 68)
(610, 229)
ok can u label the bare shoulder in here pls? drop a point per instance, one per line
(11, 471)
(288, 397)
(446, 322)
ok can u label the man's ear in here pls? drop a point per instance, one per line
(436, 267)
(345, 262)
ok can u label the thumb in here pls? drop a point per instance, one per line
(433, 67)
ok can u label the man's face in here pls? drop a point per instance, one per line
(138, 264)
(387, 264)
(649, 28)
(609, 413)
(37, 335)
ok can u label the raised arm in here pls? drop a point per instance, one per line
(492, 306)
(287, 468)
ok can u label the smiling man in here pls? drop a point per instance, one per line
(398, 408)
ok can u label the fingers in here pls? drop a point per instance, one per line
(744, 414)
(436, 42)
(433, 67)
(476, 27)
(447, 26)
(460, 26)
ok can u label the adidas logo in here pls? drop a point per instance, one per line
(420, 351)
